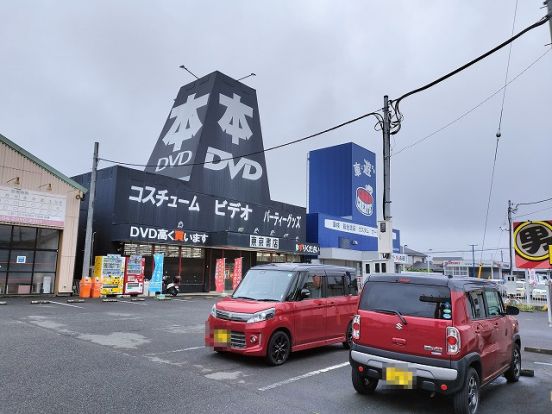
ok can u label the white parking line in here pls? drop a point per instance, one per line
(177, 350)
(543, 363)
(300, 377)
(129, 302)
(182, 300)
(66, 304)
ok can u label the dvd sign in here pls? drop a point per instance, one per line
(365, 200)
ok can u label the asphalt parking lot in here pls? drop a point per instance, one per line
(149, 356)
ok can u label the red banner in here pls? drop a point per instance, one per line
(219, 275)
(533, 244)
(237, 276)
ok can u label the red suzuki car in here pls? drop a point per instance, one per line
(440, 334)
(285, 307)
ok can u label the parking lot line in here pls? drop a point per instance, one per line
(300, 377)
(177, 350)
(182, 300)
(129, 302)
(543, 363)
(66, 304)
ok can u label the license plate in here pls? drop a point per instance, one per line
(399, 377)
(221, 337)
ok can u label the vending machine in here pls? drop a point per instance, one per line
(134, 275)
(110, 271)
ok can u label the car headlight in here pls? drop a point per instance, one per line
(262, 315)
(214, 311)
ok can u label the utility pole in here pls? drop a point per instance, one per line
(386, 161)
(473, 258)
(88, 236)
(510, 210)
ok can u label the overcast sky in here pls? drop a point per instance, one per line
(74, 72)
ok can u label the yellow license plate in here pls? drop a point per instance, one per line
(399, 377)
(221, 337)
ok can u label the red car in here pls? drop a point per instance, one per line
(440, 334)
(285, 307)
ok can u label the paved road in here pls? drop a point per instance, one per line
(149, 356)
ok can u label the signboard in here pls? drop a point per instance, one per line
(219, 274)
(159, 207)
(31, 207)
(363, 179)
(237, 275)
(156, 282)
(352, 228)
(307, 249)
(532, 241)
(264, 242)
(212, 139)
(400, 258)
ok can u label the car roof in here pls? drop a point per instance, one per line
(298, 267)
(456, 283)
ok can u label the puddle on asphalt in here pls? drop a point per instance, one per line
(118, 340)
(44, 322)
(226, 376)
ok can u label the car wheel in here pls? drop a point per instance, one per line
(348, 336)
(363, 384)
(279, 348)
(513, 373)
(173, 291)
(466, 401)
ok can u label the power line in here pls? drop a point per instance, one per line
(395, 123)
(358, 118)
(467, 251)
(534, 202)
(467, 65)
(498, 134)
(419, 141)
(533, 212)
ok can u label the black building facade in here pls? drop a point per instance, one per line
(204, 194)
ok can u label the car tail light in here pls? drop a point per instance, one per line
(453, 340)
(356, 327)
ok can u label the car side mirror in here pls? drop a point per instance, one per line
(305, 293)
(512, 310)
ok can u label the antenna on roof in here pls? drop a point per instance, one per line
(188, 70)
(248, 76)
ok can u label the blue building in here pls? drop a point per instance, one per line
(342, 208)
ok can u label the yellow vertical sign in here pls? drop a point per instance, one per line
(550, 253)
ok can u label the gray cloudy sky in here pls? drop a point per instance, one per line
(74, 72)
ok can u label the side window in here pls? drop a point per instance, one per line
(335, 285)
(351, 284)
(476, 305)
(313, 283)
(494, 304)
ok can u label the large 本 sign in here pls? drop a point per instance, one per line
(212, 140)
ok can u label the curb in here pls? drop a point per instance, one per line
(110, 300)
(538, 350)
(39, 302)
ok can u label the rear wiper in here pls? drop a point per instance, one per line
(392, 312)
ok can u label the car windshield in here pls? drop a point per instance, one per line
(407, 299)
(264, 284)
